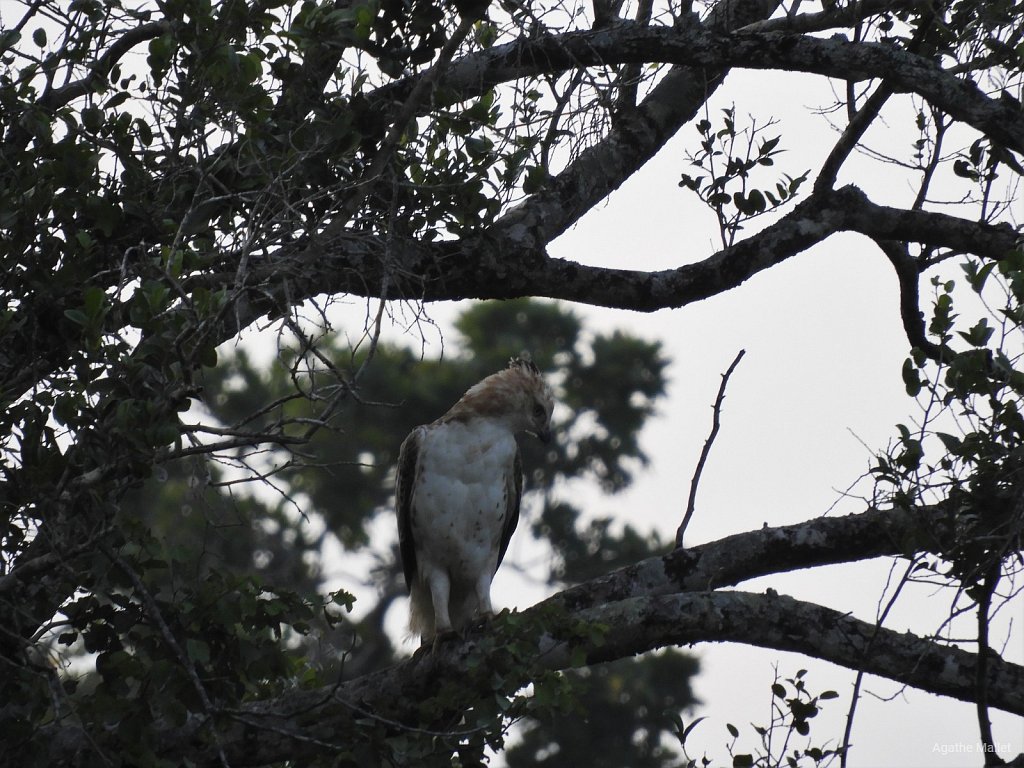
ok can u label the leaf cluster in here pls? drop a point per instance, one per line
(793, 708)
(969, 446)
(728, 156)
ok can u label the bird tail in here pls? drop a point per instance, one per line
(421, 612)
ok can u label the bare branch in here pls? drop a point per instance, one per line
(715, 424)
(851, 136)
(858, 681)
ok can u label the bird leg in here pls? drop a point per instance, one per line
(440, 592)
(485, 612)
(483, 595)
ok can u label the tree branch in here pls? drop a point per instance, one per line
(908, 274)
(656, 602)
(635, 137)
(352, 264)
(846, 16)
(513, 267)
(694, 45)
(691, 501)
(783, 623)
(851, 137)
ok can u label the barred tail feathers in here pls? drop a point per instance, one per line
(421, 612)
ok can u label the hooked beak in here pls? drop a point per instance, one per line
(544, 435)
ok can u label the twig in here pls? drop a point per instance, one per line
(988, 587)
(715, 424)
(858, 682)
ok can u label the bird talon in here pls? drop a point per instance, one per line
(441, 637)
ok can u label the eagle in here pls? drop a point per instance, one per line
(457, 494)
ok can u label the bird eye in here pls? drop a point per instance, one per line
(539, 411)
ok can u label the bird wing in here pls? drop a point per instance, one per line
(405, 483)
(513, 496)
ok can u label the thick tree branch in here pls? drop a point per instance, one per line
(782, 623)
(694, 45)
(702, 55)
(752, 554)
(846, 16)
(659, 602)
(636, 136)
(511, 268)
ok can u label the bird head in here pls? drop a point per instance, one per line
(538, 399)
(518, 395)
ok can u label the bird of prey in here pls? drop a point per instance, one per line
(457, 495)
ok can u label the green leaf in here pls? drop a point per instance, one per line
(952, 443)
(84, 239)
(208, 356)
(979, 334)
(8, 39)
(198, 650)
(117, 100)
(684, 733)
(93, 300)
(92, 118)
(144, 131)
(911, 378)
(77, 316)
(733, 731)
(977, 277)
(39, 37)
(742, 761)
(962, 169)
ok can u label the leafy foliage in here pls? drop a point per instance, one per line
(793, 708)
(728, 156)
(968, 447)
